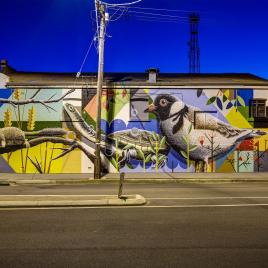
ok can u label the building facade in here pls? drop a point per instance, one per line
(151, 122)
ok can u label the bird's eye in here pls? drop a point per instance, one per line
(71, 108)
(163, 102)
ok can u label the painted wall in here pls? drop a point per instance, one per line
(182, 130)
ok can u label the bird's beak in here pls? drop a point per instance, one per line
(151, 108)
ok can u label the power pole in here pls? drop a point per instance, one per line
(103, 18)
(194, 50)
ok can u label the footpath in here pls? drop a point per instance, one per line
(54, 179)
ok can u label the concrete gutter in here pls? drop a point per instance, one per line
(70, 200)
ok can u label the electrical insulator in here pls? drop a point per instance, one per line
(106, 16)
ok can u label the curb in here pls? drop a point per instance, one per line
(87, 178)
(4, 183)
(70, 200)
(130, 181)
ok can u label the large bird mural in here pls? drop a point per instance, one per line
(195, 134)
(209, 136)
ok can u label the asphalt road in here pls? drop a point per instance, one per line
(183, 225)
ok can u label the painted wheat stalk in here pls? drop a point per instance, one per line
(8, 123)
(17, 94)
(8, 118)
(31, 119)
(30, 127)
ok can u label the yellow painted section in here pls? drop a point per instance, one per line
(146, 90)
(41, 153)
(209, 166)
(227, 167)
(235, 118)
(262, 140)
(72, 162)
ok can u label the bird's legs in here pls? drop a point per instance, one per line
(201, 166)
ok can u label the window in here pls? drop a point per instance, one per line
(258, 108)
(138, 104)
(202, 118)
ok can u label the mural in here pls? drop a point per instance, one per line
(143, 130)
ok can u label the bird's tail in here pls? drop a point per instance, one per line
(257, 133)
(252, 134)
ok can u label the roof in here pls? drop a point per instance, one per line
(48, 79)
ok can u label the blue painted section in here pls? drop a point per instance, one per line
(246, 94)
(5, 93)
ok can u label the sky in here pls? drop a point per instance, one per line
(54, 36)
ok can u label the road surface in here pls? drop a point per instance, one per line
(182, 225)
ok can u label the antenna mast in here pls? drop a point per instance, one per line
(194, 50)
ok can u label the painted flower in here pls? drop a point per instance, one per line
(201, 140)
(124, 93)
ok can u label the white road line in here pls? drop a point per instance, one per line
(140, 207)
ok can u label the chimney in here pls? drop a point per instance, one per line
(153, 73)
(5, 68)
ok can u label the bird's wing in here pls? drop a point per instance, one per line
(209, 122)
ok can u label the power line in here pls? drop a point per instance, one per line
(125, 4)
(85, 58)
(119, 17)
(159, 9)
(156, 14)
(158, 19)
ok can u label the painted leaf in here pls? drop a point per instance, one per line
(140, 152)
(130, 166)
(229, 105)
(152, 142)
(113, 162)
(128, 146)
(36, 165)
(163, 142)
(219, 103)
(161, 158)
(154, 136)
(184, 139)
(241, 101)
(224, 98)
(183, 154)
(199, 92)
(151, 150)
(190, 128)
(211, 100)
(148, 158)
(193, 148)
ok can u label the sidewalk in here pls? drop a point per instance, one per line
(22, 179)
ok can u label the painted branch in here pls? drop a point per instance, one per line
(88, 151)
(31, 101)
(37, 141)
